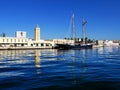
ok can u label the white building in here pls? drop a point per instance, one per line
(20, 34)
(63, 41)
(20, 41)
(13, 41)
(110, 43)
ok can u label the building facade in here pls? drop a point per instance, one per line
(13, 41)
(20, 41)
(20, 34)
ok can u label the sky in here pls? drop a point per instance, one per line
(54, 18)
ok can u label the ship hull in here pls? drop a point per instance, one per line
(67, 46)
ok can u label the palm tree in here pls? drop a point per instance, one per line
(68, 38)
(86, 40)
(81, 40)
(3, 35)
(96, 42)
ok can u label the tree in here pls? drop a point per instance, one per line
(81, 40)
(96, 42)
(90, 41)
(86, 40)
(68, 38)
(3, 35)
(78, 39)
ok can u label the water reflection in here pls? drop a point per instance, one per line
(37, 58)
(49, 68)
(100, 50)
(37, 54)
(83, 55)
(78, 68)
(107, 50)
(83, 67)
(73, 66)
(12, 54)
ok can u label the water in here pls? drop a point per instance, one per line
(92, 69)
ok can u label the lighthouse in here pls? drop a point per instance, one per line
(37, 33)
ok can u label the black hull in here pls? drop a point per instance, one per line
(62, 46)
(67, 46)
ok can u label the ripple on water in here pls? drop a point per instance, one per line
(92, 69)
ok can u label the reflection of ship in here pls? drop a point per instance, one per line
(75, 45)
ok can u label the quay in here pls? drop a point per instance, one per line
(25, 48)
(21, 42)
(97, 46)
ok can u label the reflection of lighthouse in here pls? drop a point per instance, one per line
(37, 58)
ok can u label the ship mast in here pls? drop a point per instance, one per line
(83, 29)
(73, 27)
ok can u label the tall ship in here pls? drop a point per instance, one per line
(76, 45)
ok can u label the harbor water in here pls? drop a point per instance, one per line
(51, 69)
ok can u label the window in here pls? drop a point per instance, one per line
(3, 40)
(37, 44)
(42, 44)
(22, 45)
(7, 40)
(31, 44)
(25, 40)
(11, 40)
(15, 45)
(21, 33)
(47, 44)
(15, 40)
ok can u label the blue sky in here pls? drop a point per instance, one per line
(54, 17)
